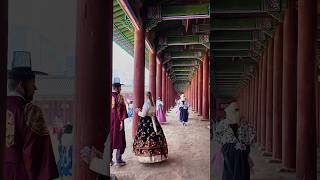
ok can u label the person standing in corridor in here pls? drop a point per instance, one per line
(235, 137)
(160, 114)
(119, 114)
(28, 153)
(183, 108)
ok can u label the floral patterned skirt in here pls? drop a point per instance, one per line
(150, 145)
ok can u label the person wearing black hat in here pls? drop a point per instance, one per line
(118, 115)
(98, 161)
(28, 153)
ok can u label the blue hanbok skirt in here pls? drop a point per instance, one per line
(184, 115)
(236, 163)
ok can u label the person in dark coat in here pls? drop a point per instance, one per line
(235, 137)
(119, 114)
(28, 153)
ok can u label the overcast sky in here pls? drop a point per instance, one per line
(123, 66)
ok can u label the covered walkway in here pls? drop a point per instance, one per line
(189, 148)
(262, 53)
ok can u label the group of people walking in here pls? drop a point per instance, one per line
(149, 145)
(30, 157)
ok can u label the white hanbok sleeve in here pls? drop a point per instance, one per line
(159, 104)
(145, 109)
(101, 166)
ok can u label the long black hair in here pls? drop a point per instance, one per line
(148, 94)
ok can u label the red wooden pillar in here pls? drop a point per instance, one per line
(152, 74)
(255, 101)
(163, 96)
(318, 105)
(192, 95)
(259, 102)
(159, 80)
(251, 97)
(306, 119)
(167, 91)
(289, 86)
(277, 93)
(248, 101)
(242, 102)
(93, 80)
(200, 88)
(263, 99)
(205, 103)
(138, 78)
(248, 96)
(3, 77)
(269, 96)
(197, 91)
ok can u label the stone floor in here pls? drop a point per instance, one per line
(188, 153)
(189, 149)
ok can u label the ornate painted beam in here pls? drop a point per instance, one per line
(135, 19)
(184, 61)
(233, 40)
(200, 28)
(182, 65)
(241, 53)
(164, 42)
(235, 29)
(238, 13)
(230, 45)
(156, 14)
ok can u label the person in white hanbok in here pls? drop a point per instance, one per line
(235, 137)
(150, 145)
(183, 108)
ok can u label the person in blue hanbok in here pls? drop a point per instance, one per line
(130, 109)
(183, 108)
(235, 137)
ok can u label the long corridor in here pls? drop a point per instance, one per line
(189, 151)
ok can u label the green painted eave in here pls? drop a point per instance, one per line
(123, 31)
(236, 5)
(185, 10)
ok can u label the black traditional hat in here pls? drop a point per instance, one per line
(116, 81)
(21, 68)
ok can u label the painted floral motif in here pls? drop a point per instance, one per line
(147, 142)
(10, 128)
(224, 134)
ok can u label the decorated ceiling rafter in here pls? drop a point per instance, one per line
(239, 31)
(177, 30)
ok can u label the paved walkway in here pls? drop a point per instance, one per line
(188, 153)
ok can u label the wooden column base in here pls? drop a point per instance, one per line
(286, 170)
(277, 161)
(262, 148)
(267, 154)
